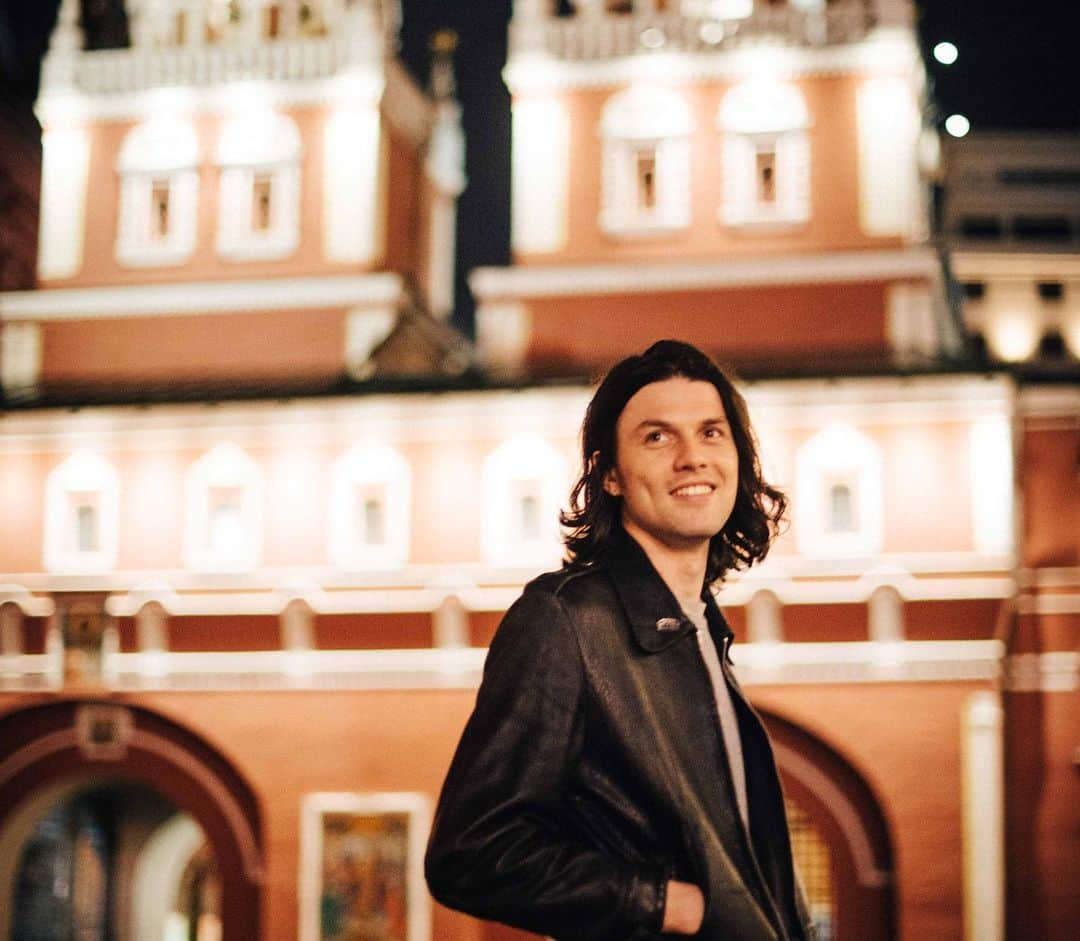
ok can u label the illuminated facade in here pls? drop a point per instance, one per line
(223, 611)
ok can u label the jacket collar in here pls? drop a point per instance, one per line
(655, 617)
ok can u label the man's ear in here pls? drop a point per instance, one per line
(611, 483)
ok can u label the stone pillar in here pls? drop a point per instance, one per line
(984, 818)
(450, 624)
(763, 619)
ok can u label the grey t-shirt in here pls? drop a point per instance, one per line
(729, 723)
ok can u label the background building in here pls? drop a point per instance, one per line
(263, 507)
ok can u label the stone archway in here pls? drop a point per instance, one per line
(849, 818)
(45, 748)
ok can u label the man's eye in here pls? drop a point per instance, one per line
(654, 437)
(714, 432)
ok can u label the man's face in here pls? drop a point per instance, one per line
(676, 464)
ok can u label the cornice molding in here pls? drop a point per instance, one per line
(861, 662)
(536, 281)
(887, 52)
(203, 297)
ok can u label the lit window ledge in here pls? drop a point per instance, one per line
(153, 257)
(642, 230)
(765, 226)
(258, 250)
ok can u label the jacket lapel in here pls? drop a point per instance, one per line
(656, 620)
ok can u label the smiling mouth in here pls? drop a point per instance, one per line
(693, 490)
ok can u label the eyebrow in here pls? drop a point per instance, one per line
(660, 423)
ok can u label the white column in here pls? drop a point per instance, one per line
(763, 622)
(65, 165)
(984, 818)
(886, 615)
(450, 624)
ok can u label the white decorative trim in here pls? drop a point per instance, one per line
(983, 808)
(227, 544)
(830, 268)
(1015, 266)
(376, 467)
(887, 122)
(991, 484)
(30, 605)
(89, 474)
(534, 71)
(202, 297)
(1050, 577)
(1055, 672)
(351, 180)
(65, 166)
(843, 812)
(839, 457)
(924, 661)
(20, 356)
(525, 482)
(1059, 403)
(540, 167)
(824, 663)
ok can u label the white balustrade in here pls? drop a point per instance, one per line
(593, 31)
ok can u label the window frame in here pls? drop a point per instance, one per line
(370, 464)
(225, 466)
(645, 117)
(84, 472)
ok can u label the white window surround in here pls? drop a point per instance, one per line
(524, 474)
(260, 147)
(646, 119)
(161, 153)
(229, 475)
(765, 121)
(371, 469)
(838, 455)
(84, 480)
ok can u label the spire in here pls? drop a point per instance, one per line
(446, 147)
(65, 43)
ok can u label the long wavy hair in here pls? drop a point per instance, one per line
(595, 514)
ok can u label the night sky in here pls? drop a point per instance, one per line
(1016, 69)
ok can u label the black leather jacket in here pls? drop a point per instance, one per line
(592, 771)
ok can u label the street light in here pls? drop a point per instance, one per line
(946, 53)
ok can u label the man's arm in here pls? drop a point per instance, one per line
(502, 846)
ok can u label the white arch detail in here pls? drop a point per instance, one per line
(843, 811)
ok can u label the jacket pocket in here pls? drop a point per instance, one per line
(598, 828)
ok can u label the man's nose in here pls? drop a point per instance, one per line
(689, 454)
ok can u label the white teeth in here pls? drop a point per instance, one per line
(694, 490)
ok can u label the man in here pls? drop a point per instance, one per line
(612, 781)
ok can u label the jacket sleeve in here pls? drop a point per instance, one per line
(502, 846)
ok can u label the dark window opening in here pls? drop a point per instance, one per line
(1052, 345)
(981, 227)
(973, 290)
(1051, 290)
(1041, 228)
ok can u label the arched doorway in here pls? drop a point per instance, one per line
(840, 838)
(158, 832)
(110, 859)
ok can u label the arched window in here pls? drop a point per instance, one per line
(839, 486)
(813, 862)
(159, 191)
(766, 171)
(525, 481)
(259, 206)
(369, 508)
(224, 511)
(82, 500)
(646, 131)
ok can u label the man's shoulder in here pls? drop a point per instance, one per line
(569, 583)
